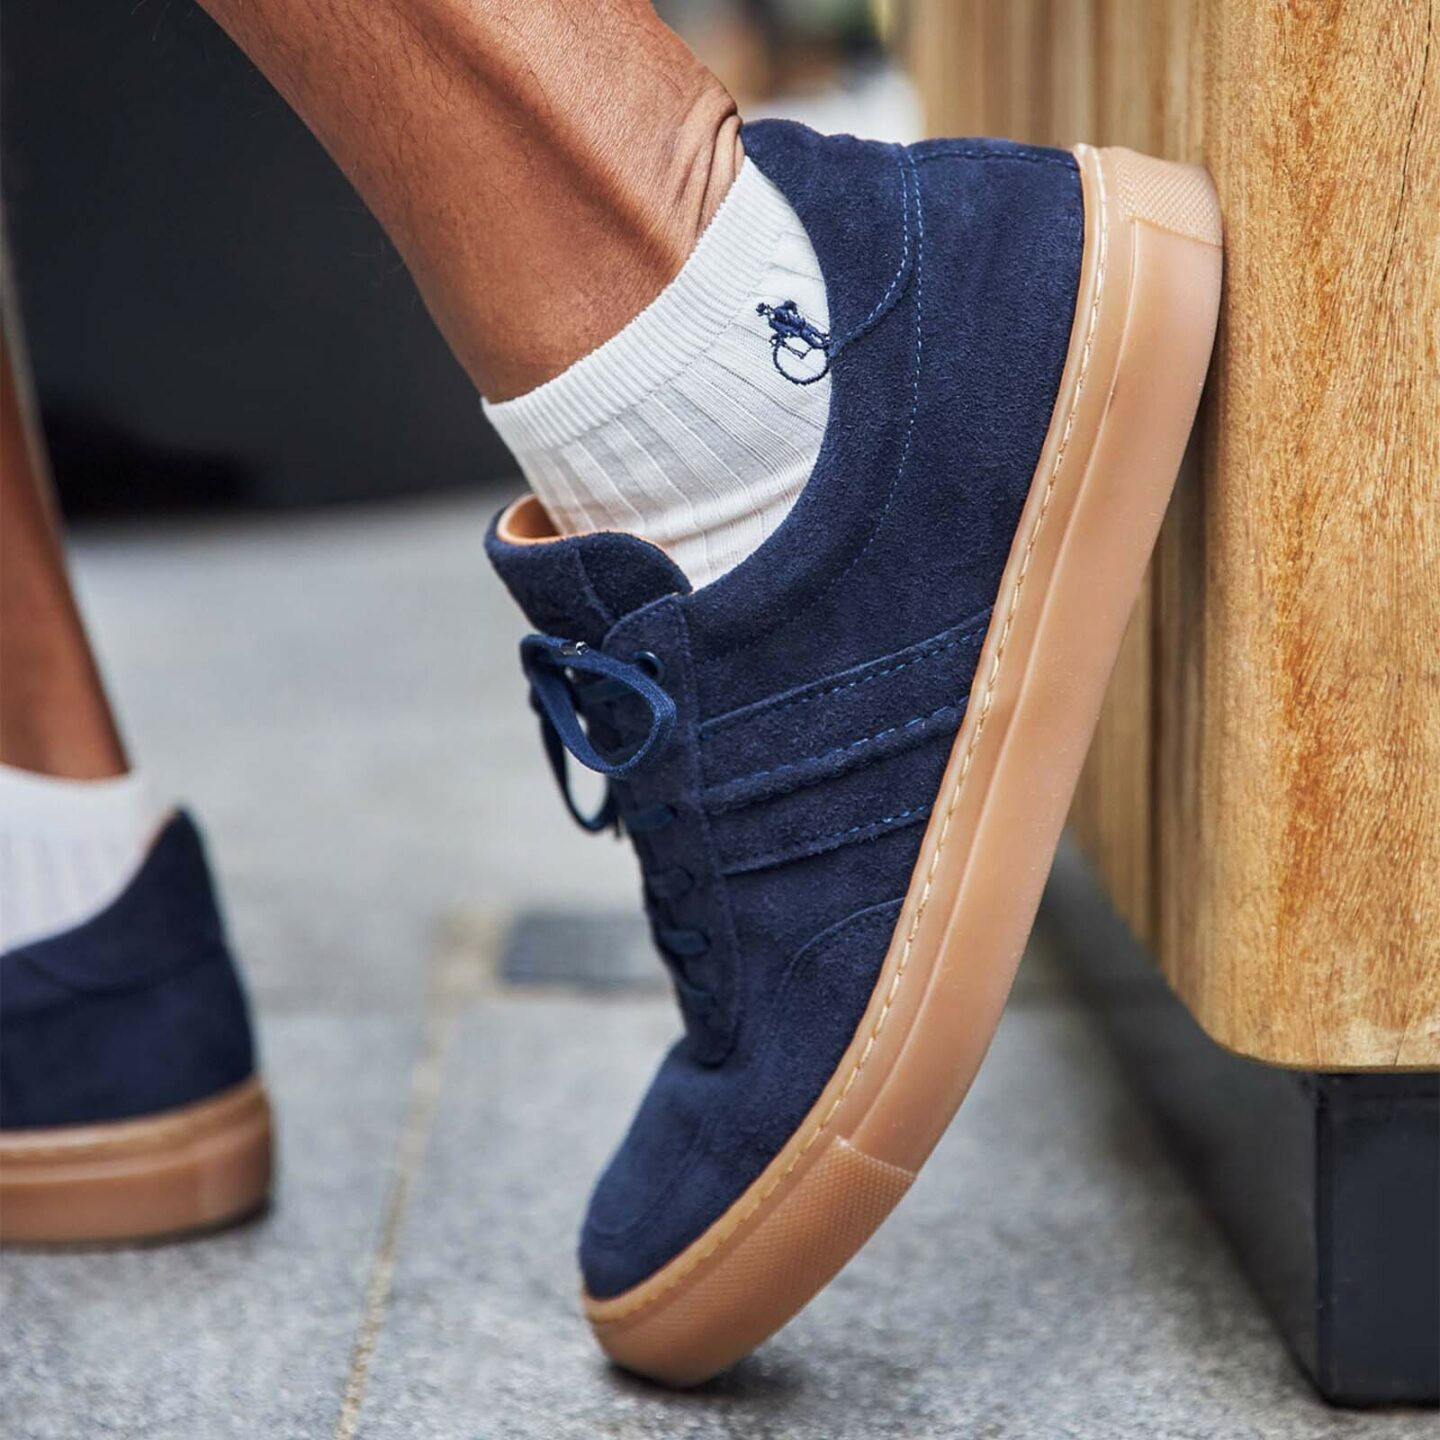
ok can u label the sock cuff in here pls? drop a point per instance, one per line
(681, 323)
(49, 804)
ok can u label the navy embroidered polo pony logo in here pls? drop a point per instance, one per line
(792, 334)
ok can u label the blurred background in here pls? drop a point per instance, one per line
(214, 318)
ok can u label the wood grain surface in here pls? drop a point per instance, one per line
(1263, 795)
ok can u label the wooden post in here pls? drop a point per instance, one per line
(1262, 800)
(1263, 796)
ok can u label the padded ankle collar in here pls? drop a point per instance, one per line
(580, 586)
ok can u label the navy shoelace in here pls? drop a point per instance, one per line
(584, 698)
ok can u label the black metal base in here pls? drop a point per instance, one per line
(1328, 1185)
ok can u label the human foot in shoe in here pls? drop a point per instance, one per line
(129, 1104)
(845, 764)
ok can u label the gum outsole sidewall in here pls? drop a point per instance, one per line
(187, 1170)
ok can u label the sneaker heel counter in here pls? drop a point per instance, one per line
(138, 1010)
(1166, 194)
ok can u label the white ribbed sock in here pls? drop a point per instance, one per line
(67, 849)
(680, 429)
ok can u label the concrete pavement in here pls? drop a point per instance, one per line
(457, 1015)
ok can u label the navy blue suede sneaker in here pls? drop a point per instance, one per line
(846, 763)
(129, 1106)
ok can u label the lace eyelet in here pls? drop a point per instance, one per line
(671, 884)
(682, 944)
(652, 817)
(699, 999)
(651, 664)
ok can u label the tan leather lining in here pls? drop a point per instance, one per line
(526, 522)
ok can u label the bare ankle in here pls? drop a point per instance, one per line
(543, 167)
(710, 153)
(633, 210)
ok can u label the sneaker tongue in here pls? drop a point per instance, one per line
(581, 586)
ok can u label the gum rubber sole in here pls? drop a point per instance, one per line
(1144, 326)
(193, 1168)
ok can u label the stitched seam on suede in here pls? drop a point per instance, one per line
(1087, 350)
(953, 154)
(832, 346)
(864, 680)
(699, 1142)
(868, 828)
(703, 1132)
(860, 744)
(210, 955)
(884, 301)
(761, 711)
(859, 920)
(607, 616)
(918, 271)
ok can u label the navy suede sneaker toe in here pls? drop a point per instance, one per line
(129, 1104)
(845, 764)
